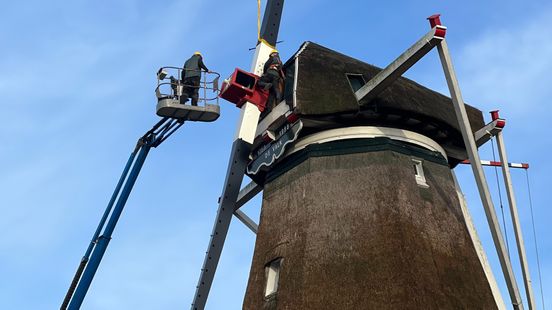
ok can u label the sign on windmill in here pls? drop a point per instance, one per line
(269, 153)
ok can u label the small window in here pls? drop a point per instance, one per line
(356, 81)
(419, 173)
(272, 273)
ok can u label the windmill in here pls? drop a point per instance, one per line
(361, 206)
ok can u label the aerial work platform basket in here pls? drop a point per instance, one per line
(173, 94)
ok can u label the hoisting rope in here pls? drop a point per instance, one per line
(500, 199)
(259, 20)
(534, 235)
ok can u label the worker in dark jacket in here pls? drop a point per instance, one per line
(272, 79)
(191, 78)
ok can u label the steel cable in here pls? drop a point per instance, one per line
(500, 200)
(534, 235)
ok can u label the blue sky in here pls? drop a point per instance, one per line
(77, 85)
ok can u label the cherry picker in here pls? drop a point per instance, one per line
(174, 114)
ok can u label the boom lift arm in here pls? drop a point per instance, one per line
(100, 240)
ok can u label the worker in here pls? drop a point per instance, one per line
(191, 78)
(272, 79)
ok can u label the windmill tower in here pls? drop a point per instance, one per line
(362, 210)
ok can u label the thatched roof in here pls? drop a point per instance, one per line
(324, 95)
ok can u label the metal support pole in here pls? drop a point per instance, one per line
(478, 246)
(247, 221)
(103, 241)
(247, 193)
(515, 221)
(232, 183)
(399, 66)
(271, 21)
(488, 131)
(479, 175)
(239, 157)
(491, 163)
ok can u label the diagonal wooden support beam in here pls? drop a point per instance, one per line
(247, 193)
(471, 148)
(246, 220)
(488, 131)
(399, 66)
(498, 164)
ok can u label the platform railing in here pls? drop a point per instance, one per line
(169, 85)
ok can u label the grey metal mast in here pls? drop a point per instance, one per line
(477, 168)
(239, 157)
(515, 218)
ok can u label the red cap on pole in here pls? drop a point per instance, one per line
(434, 20)
(494, 115)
